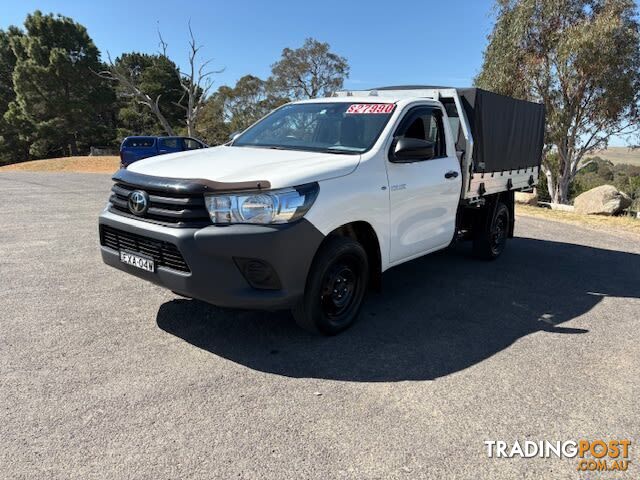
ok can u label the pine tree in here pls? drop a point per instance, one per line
(61, 105)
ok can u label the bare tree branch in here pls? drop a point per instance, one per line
(117, 74)
(196, 83)
(163, 45)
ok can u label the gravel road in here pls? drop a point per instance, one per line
(106, 376)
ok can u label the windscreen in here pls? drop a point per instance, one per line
(325, 127)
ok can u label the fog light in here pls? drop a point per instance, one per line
(258, 273)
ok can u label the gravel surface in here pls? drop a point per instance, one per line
(106, 376)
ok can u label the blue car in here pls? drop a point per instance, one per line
(137, 148)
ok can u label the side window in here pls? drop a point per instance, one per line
(139, 142)
(170, 143)
(191, 144)
(425, 123)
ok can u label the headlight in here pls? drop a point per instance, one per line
(275, 206)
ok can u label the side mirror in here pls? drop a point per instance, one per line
(405, 150)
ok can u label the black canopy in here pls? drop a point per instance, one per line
(508, 134)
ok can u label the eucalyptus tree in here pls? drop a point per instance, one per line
(581, 58)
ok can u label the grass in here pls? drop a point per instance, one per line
(618, 155)
(106, 164)
(599, 222)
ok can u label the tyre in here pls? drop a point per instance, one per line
(335, 289)
(491, 238)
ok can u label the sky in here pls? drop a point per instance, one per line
(424, 43)
(431, 42)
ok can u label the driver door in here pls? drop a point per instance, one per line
(424, 193)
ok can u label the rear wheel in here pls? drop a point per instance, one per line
(335, 288)
(491, 239)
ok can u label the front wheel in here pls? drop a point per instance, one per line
(335, 288)
(490, 241)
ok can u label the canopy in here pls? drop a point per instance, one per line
(508, 134)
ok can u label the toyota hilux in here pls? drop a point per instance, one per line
(307, 208)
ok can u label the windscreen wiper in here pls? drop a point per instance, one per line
(339, 150)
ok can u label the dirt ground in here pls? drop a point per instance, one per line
(106, 164)
(598, 222)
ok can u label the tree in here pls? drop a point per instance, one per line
(310, 71)
(598, 171)
(193, 85)
(234, 109)
(12, 147)
(247, 102)
(7, 65)
(147, 81)
(59, 104)
(211, 126)
(195, 82)
(149, 90)
(581, 58)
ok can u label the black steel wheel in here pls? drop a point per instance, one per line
(499, 231)
(335, 288)
(489, 242)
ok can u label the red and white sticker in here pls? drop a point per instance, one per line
(370, 108)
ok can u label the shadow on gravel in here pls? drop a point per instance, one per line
(437, 315)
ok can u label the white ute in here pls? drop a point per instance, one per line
(309, 206)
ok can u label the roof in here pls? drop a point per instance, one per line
(350, 99)
(360, 99)
(412, 87)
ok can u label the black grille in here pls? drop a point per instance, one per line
(165, 208)
(163, 253)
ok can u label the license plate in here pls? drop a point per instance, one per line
(137, 261)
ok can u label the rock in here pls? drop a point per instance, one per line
(527, 198)
(602, 200)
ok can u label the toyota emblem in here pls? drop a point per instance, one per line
(138, 202)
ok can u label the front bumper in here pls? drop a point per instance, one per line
(211, 254)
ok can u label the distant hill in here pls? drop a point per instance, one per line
(618, 155)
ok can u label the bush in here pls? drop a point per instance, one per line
(597, 171)
(543, 191)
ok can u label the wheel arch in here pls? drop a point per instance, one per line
(366, 235)
(471, 218)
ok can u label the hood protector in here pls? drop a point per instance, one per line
(188, 186)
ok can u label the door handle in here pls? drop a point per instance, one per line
(451, 174)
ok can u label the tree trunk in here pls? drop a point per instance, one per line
(190, 123)
(73, 146)
(563, 192)
(163, 121)
(558, 184)
(558, 190)
(167, 127)
(551, 185)
(565, 179)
